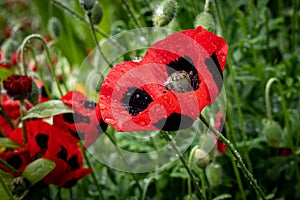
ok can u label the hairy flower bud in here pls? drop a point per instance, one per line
(201, 158)
(19, 185)
(273, 133)
(206, 20)
(97, 13)
(164, 13)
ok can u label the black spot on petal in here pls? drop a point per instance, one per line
(174, 122)
(90, 105)
(68, 117)
(136, 100)
(102, 126)
(63, 154)
(43, 92)
(15, 161)
(214, 67)
(70, 183)
(75, 134)
(73, 163)
(42, 140)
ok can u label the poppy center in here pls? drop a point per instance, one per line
(183, 76)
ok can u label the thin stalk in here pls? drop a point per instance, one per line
(195, 7)
(235, 92)
(8, 166)
(89, 14)
(235, 168)
(39, 37)
(247, 174)
(93, 173)
(8, 192)
(22, 107)
(206, 6)
(40, 73)
(202, 176)
(4, 114)
(130, 13)
(151, 180)
(177, 151)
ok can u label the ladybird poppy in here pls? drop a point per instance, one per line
(83, 123)
(169, 87)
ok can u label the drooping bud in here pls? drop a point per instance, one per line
(201, 158)
(97, 13)
(164, 13)
(206, 20)
(273, 133)
(87, 4)
(54, 27)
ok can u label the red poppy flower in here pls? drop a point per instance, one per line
(169, 87)
(45, 141)
(83, 123)
(18, 86)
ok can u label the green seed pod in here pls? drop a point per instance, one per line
(214, 174)
(273, 133)
(9, 47)
(87, 4)
(206, 20)
(97, 13)
(19, 185)
(164, 13)
(201, 158)
(54, 27)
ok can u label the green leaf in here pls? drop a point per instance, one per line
(38, 169)
(47, 109)
(8, 143)
(7, 179)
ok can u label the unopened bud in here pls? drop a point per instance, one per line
(19, 185)
(201, 158)
(165, 12)
(273, 133)
(206, 20)
(97, 13)
(87, 4)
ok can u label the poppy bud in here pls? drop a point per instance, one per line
(54, 27)
(206, 20)
(214, 174)
(201, 158)
(97, 13)
(165, 12)
(8, 48)
(19, 185)
(87, 4)
(273, 133)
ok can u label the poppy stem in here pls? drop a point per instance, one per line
(39, 37)
(4, 114)
(89, 14)
(151, 180)
(22, 108)
(248, 175)
(4, 186)
(40, 73)
(8, 166)
(177, 151)
(202, 177)
(92, 173)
